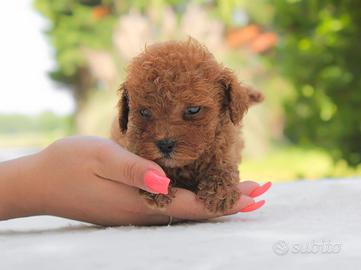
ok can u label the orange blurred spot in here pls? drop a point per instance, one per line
(263, 42)
(239, 37)
(100, 12)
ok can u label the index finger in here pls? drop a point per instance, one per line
(118, 164)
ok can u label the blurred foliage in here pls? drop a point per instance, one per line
(317, 52)
(75, 26)
(79, 24)
(320, 54)
(30, 139)
(44, 122)
(285, 164)
(18, 130)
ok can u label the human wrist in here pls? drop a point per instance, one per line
(20, 188)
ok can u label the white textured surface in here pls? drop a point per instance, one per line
(10, 153)
(303, 214)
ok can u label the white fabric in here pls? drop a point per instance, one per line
(303, 214)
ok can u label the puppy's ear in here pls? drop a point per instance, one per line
(237, 96)
(123, 109)
(254, 96)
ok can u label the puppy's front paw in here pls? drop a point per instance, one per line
(159, 201)
(219, 198)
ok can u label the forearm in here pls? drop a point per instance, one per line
(87, 179)
(20, 188)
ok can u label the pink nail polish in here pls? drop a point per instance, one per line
(260, 190)
(155, 182)
(253, 206)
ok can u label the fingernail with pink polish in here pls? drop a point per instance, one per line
(156, 182)
(260, 190)
(253, 206)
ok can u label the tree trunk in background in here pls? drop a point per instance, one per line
(83, 87)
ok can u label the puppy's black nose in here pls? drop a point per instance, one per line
(166, 146)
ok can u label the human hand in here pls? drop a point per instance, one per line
(95, 180)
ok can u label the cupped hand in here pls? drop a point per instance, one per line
(95, 180)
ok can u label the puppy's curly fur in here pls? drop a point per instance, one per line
(177, 92)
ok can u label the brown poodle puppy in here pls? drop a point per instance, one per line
(183, 110)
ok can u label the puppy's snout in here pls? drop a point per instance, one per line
(166, 146)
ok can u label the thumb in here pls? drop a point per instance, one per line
(118, 164)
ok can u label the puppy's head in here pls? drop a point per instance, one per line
(175, 99)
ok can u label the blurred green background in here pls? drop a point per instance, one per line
(304, 56)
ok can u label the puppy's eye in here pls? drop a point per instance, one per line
(145, 113)
(192, 110)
